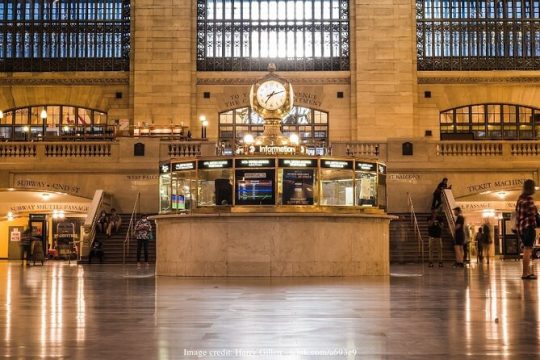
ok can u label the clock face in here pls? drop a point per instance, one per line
(271, 95)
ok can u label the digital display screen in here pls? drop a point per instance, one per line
(250, 163)
(363, 166)
(336, 164)
(298, 187)
(301, 163)
(255, 187)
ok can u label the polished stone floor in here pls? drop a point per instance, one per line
(115, 312)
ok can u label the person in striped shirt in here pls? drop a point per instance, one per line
(526, 213)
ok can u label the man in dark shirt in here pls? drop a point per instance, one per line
(434, 232)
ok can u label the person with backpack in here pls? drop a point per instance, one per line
(143, 234)
(486, 240)
(434, 232)
(526, 218)
(459, 237)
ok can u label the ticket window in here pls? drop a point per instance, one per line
(183, 190)
(337, 187)
(215, 187)
(366, 188)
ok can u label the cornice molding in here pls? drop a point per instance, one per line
(480, 80)
(247, 81)
(64, 81)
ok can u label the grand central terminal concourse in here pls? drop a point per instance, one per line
(269, 179)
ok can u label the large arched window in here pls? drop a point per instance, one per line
(40, 121)
(490, 122)
(244, 35)
(64, 35)
(478, 34)
(311, 125)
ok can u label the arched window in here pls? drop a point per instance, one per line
(311, 125)
(65, 35)
(41, 121)
(490, 122)
(297, 35)
(478, 34)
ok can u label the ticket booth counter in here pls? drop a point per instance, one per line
(303, 182)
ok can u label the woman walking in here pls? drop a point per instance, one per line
(526, 213)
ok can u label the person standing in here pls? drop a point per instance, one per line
(526, 213)
(114, 223)
(434, 232)
(437, 194)
(479, 239)
(143, 234)
(26, 245)
(486, 239)
(459, 236)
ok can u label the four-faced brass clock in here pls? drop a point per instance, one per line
(271, 97)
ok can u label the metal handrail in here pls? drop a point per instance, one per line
(127, 240)
(100, 201)
(417, 231)
(448, 204)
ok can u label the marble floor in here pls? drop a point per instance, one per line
(116, 312)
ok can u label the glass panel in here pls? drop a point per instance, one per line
(337, 187)
(21, 116)
(183, 190)
(366, 188)
(288, 34)
(68, 115)
(215, 187)
(65, 35)
(477, 114)
(84, 117)
(509, 114)
(100, 118)
(525, 114)
(165, 192)
(477, 35)
(462, 115)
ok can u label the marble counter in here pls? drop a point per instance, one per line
(272, 244)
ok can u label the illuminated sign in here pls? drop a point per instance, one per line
(164, 168)
(337, 164)
(250, 163)
(184, 166)
(366, 166)
(215, 164)
(297, 163)
(275, 150)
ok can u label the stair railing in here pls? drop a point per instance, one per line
(100, 201)
(417, 232)
(132, 219)
(448, 203)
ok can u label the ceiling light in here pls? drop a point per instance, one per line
(45, 196)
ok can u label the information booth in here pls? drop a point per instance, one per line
(282, 182)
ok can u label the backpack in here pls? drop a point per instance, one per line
(435, 230)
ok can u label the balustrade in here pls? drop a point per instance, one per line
(78, 150)
(17, 150)
(184, 149)
(470, 149)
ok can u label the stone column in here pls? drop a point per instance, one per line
(163, 66)
(384, 68)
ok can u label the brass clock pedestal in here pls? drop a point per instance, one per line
(272, 135)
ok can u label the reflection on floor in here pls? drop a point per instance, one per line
(105, 312)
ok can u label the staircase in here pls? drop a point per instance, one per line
(403, 243)
(114, 246)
